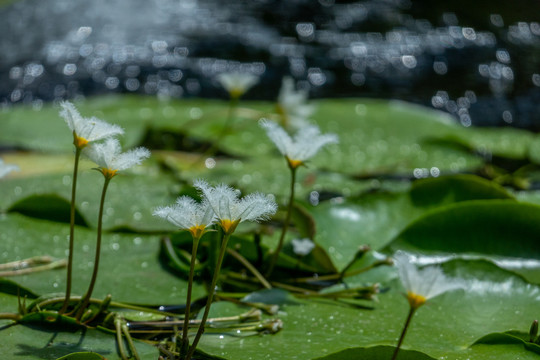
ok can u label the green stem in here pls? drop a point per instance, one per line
(185, 340)
(10, 316)
(113, 304)
(250, 267)
(30, 270)
(275, 256)
(119, 339)
(71, 230)
(98, 251)
(200, 331)
(404, 331)
(130, 342)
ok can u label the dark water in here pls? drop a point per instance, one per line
(478, 60)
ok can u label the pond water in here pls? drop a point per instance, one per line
(479, 61)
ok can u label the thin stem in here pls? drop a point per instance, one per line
(130, 342)
(200, 331)
(71, 230)
(113, 304)
(34, 269)
(98, 251)
(25, 263)
(340, 276)
(275, 256)
(250, 267)
(120, 339)
(185, 328)
(10, 316)
(404, 331)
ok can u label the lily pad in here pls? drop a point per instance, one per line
(129, 202)
(375, 353)
(130, 269)
(40, 342)
(317, 328)
(375, 219)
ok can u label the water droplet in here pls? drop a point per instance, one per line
(210, 163)
(66, 180)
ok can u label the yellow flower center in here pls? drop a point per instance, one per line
(197, 231)
(236, 93)
(228, 225)
(108, 173)
(294, 163)
(79, 141)
(415, 300)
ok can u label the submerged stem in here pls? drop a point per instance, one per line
(98, 251)
(71, 230)
(250, 267)
(404, 331)
(185, 328)
(275, 256)
(200, 331)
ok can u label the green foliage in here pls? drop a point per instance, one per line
(482, 226)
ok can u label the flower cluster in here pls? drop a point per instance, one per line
(87, 132)
(221, 204)
(422, 284)
(237, 83)
(110, 158)
(304, 145)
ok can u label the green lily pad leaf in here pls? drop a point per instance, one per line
(129, 267)
(456, 188)
(481, 227)
(129, 202)
(42, 342)
(374, 219)
(45, 130)
(32, 164)
(501, 231)
(509, 337)
(82, 356)
(12, 288)
(56, 208)
(318, 328)
(375, 353)
(504, 142)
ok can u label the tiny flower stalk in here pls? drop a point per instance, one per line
(85, 131)
(230, 211)
(236, 84)
(196, 218)
(420, 285)
(110, 159)
(296, 150)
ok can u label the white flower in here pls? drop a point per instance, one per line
(237, 83)
(422, 284)
(110, 158)
(231, 210)
(304, 145)
(6, 168)
(86, 130)
(189, 215)
(302, 247)
(292, 104)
